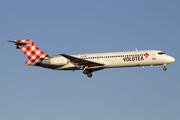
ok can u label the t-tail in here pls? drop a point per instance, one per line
(33, 53)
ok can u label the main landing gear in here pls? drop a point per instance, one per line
(165, 67)
(88, 72)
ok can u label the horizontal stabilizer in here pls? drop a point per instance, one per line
(19, 43)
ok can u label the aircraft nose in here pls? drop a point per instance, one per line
(171, 59)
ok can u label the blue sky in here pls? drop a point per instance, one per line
(72, 27)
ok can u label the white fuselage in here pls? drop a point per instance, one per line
(113, 59)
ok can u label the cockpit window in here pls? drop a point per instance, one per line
(160, 53)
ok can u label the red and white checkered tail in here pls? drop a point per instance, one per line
(33, 53)
(30, 49)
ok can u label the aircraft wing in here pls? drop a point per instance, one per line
(79, 61)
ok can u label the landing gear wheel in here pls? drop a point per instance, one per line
(164, 68)
(89, 75)
(85, 71)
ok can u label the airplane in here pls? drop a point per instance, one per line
(90, 63)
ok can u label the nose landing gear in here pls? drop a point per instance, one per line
(165, 67)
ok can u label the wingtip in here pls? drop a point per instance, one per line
(9, 41)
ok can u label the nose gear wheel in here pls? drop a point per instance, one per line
(164, 68)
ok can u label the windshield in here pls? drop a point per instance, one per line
(160, 53)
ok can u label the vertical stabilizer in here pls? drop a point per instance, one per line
(32, 52)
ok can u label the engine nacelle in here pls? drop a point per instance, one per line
(55, 61)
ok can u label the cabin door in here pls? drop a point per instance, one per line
(153, 56)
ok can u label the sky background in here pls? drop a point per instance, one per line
(89, 26)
